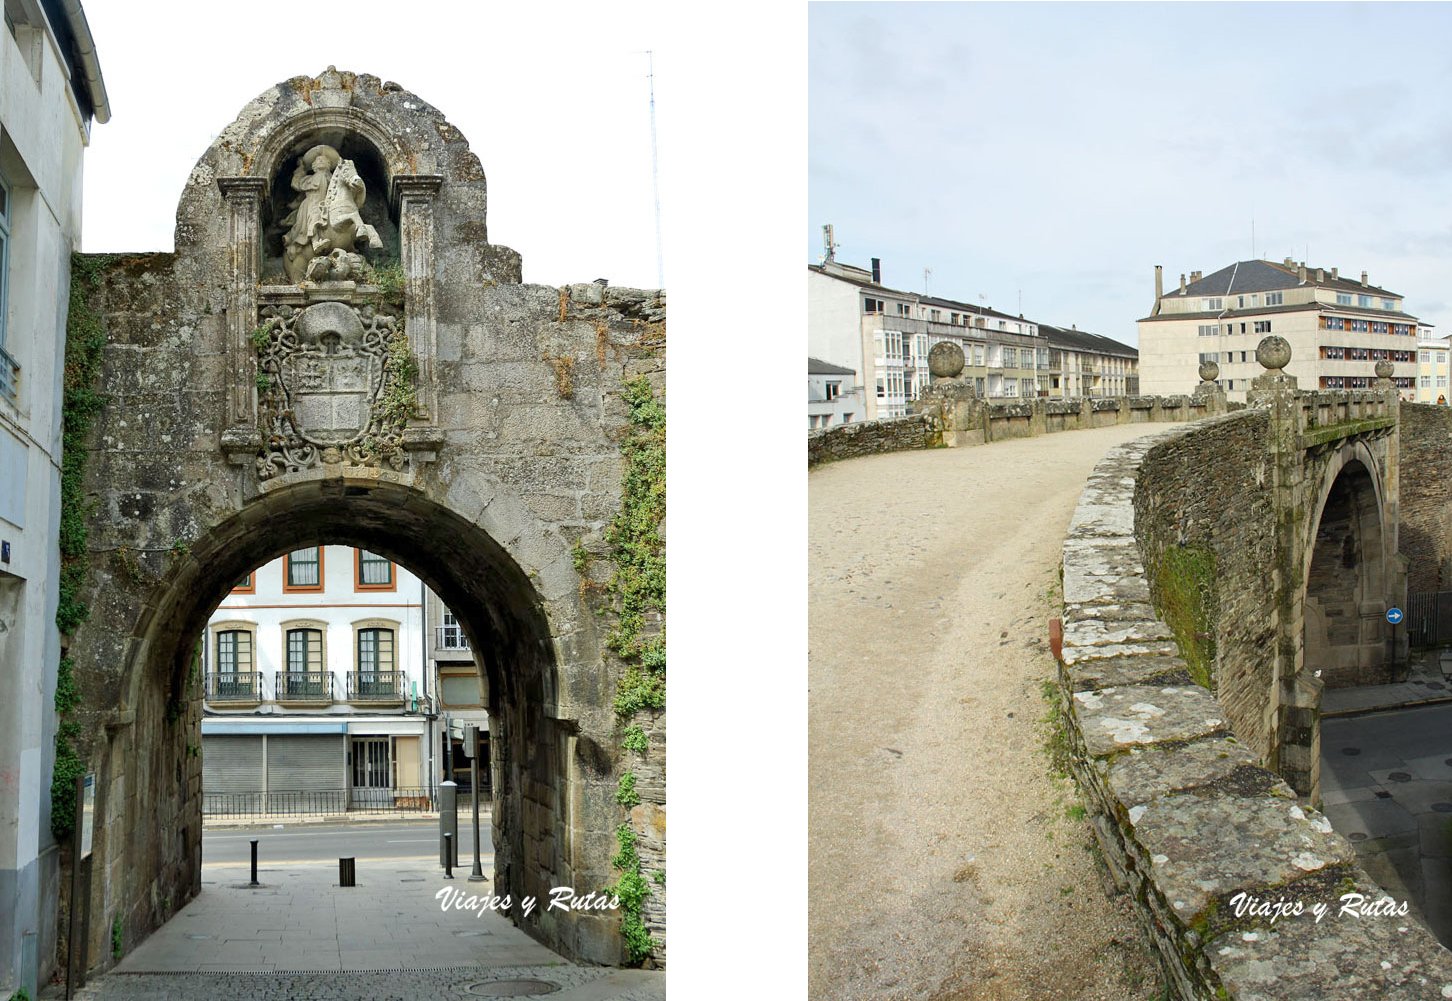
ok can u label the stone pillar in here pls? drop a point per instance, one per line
(243, 196)
(1038, 416)
(1208, 393)
(1293, 721)
(951, 400)
(415, 195)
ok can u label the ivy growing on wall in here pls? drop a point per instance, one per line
(85, 339)
(638, 589)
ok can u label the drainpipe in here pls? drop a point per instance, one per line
(90, 67)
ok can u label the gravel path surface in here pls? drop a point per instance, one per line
(945, 862)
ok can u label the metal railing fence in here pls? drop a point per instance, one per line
(301, 803)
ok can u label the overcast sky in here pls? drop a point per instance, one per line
(553, 100)
(1061, 151)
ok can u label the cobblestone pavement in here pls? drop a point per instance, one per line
(572, 983)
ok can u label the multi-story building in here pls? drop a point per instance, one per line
(884, 335)
(462, 700)
(1085, 364)
(318, 693)
(50, 92)
(833, 397)
(1338, 328)
(1432, 367)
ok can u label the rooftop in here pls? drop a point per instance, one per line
(1268, 276)
(815, 366)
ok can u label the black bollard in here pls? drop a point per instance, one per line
(448, 855)
(254, 863)
(346, 873)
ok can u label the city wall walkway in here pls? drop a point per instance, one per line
(944, 860)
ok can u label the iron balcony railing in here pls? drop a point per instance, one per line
(375, 686)
(450, 638)
(234, 686)
(298, 686)
(294, 803)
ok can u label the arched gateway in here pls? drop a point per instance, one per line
(336, 354)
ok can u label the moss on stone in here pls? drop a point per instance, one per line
(1184, 594)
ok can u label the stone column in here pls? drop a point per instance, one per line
(951, 400)
(244, 208)
(1208, 393)
(415, 195)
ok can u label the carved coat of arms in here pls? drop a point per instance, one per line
(324, 369)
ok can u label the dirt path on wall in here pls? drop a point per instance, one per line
(944, 861)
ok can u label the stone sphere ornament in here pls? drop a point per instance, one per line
(1384, 369)
(1209, 371)
(1273, 353)
(946, 360)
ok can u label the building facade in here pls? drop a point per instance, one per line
(883, 335)
(318, 694)
(1432, 367)
(462, 699)
(51, 90)
(833, 395)
(1338, 328)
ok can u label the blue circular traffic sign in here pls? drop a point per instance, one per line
(1394, 615)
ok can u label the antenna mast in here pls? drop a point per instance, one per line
(655, 168)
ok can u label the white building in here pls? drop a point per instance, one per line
(318, 695)
(462, 699)
(1338, 329)
(833, 395)
(50, 91)
(1432, 367)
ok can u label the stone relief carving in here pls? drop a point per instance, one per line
(325, 225)
(334, 387)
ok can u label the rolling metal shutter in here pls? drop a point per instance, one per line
(232, 764)
(307, 763)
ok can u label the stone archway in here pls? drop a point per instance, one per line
(453, 419)
(1346, 583)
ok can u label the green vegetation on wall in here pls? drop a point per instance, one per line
(638, 589)
(85, 339)
(1184, 594)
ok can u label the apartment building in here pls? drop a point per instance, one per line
(1338, 328)
(318, 696)
(883, 335)
(833, 395)
(462, 700)
(1432, 367)
(51, 90)
(1085, 364)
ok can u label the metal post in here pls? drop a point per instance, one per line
(254, 863)
(347, 874)
(477, 876)
(449, 823)
(448, 856)
(71, 945)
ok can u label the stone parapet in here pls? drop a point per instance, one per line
(847, 441)
(1192, 826)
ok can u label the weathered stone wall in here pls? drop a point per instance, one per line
(499, 497)
(847, 441)
(1426, 494)
(1205, 525)
(1185, 814)
(975, 422)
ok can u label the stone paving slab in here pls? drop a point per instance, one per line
(1115, 719)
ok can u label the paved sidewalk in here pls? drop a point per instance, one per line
(300, 935)
(1423, 684)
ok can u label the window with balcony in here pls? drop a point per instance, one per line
(376, 675)
(305, 678)
(372, 572)
(233, 676)
(304, 570)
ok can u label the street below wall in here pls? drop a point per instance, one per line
(944, 861)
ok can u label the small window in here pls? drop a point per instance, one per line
(1343, 298)
(304, 651)
(234, 651)
(1208, 304)
(1274, 298)
(304, 570)
(373, 573)
(1363, 300)
(247, 585)
(834, 390)
(375, 650)
(1262, 326)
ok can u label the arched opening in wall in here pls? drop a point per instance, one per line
(294, 178)
(282, 670)
(1345, 631)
